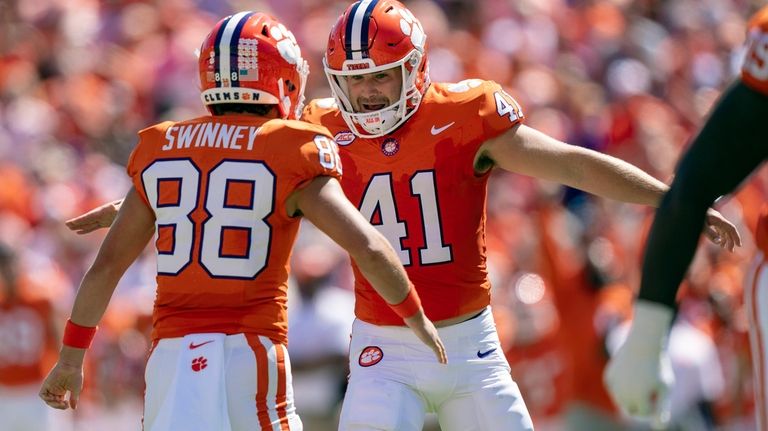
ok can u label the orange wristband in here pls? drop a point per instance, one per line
(409, 306)
(77, 336)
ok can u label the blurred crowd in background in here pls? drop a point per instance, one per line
(632, 78)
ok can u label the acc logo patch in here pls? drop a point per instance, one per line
(344, 138)
(371, 355)
(390, 147)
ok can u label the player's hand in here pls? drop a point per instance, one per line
(95, 219)
(639, 375)
(63, 378)
(639, 382)
(427, 333)
(720, 231)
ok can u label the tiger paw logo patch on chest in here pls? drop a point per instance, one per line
(371, 355)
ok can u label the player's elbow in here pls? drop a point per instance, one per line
(373, 251)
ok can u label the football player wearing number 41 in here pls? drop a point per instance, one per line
(417, 162)
(417, 159)
(224, 194)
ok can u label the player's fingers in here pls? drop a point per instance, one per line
(429, 336)
(53, 399)
(732, 233)
(80, 225)
(74, 396)
(735, 240)
(59, 405)
(439, 350)
(88, 228)
(79, 220)
(712, 234)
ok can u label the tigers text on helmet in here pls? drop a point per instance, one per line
(372, 36)
(252, 58)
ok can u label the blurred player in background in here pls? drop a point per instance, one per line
(725, 152)
(28, 343)
(756, 300)
(225, 194)
(418, 156)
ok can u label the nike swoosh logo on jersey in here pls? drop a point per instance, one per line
(193, 346)
(484, 354)
(436, 130)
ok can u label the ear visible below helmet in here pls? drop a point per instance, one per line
(371, 36)
(252, 58)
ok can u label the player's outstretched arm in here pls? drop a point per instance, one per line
(323, 203)
(728, 148)
(132, 229)
(97, 218)
(527, 151)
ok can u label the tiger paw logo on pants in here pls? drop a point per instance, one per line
(371, 355)
(198, 364)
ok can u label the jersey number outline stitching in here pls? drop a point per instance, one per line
(379, 197)
(177, 215)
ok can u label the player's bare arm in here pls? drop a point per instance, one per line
(130, 233)
(527, 151)
(324, 204)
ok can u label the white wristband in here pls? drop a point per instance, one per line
(651, 323)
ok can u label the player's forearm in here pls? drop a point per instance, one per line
(132, 230)
(613, 178)
(93, 296)
(380, 266)
(671, 245)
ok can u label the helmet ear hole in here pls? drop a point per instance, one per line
(291, 86)
(264, 31)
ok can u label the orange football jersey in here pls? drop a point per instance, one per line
(218, 187)
(754, 71)
(418, 186)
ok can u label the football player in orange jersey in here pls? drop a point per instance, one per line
(418, 156)
(28, 344)
(225, 194)
(727, 149)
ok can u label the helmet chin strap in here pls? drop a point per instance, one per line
(285, 101)
(385, 118)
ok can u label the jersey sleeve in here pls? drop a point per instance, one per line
(142, 155)
(754, 70)
(318, 155)
(484, 108)
(497, 111)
